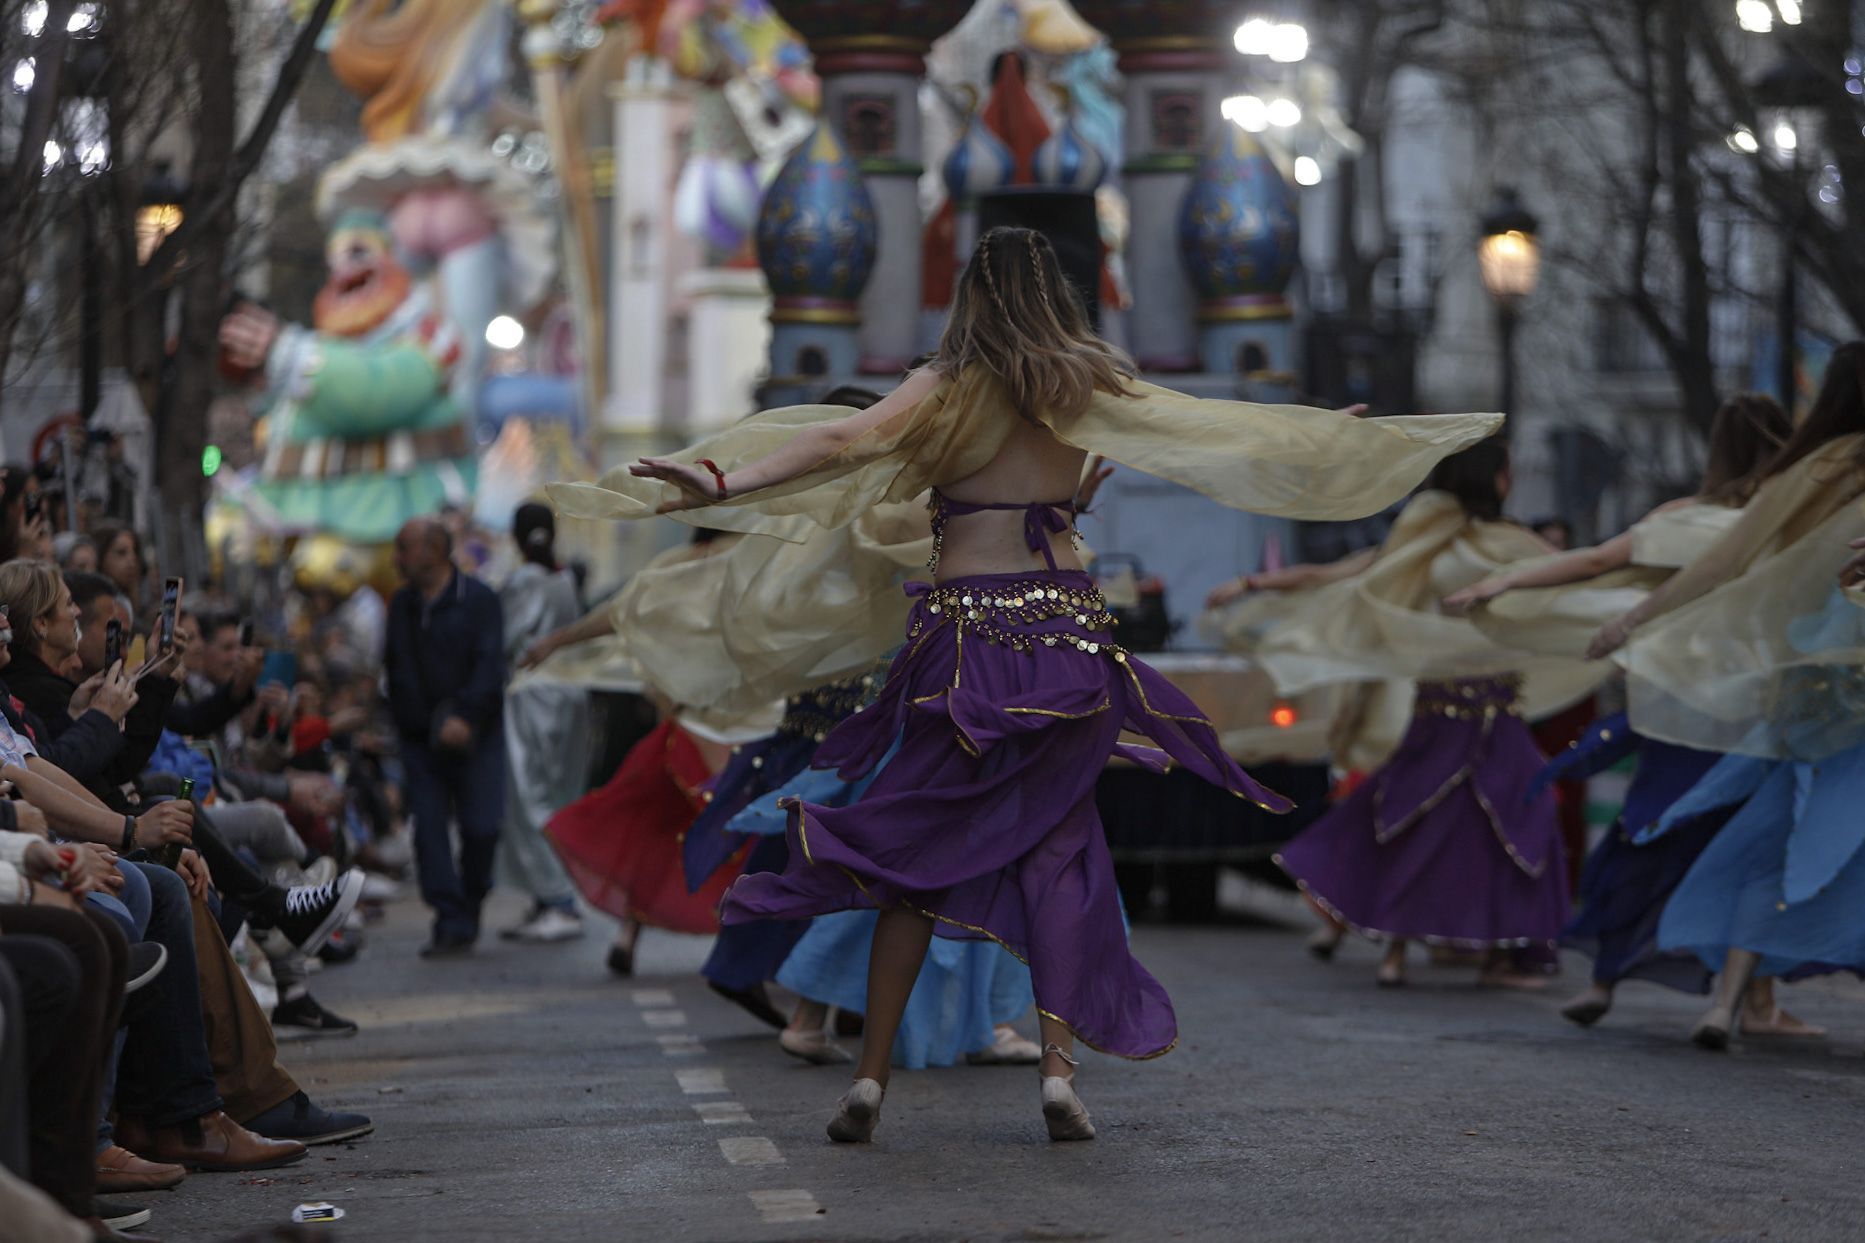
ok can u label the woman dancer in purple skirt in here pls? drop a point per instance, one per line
(1012, 691)
(1442, 843)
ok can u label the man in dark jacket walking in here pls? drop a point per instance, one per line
(445, 666)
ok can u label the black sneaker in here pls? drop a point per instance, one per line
(146, 960)
(117, 1215)
(312, 912)
(445, 946)
(302, 1017)
(297, 1118)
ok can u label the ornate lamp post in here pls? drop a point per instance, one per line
(1509, 256)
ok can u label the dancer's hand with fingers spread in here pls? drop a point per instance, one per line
(1225, 593)
(698, 486)
(1475, 593)
(1611, 638)
(1852, 573)
(1096, 475)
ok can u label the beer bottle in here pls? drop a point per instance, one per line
(171, 851)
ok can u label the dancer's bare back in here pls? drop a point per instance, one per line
(1032, 465)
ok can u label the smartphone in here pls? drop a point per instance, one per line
(35, 505)
(280, 667)
(113, 642)
(246, 633)
(171, 605)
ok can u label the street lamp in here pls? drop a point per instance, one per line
(1509, 256)
(160, 213)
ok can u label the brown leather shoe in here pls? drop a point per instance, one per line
(217, 1143)
(121, 1171)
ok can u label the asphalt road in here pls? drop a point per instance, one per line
(525, 1094)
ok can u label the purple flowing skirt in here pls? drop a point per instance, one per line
(1442, 844)
(1006, 702)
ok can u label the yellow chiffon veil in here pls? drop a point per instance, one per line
(1286, 461)
(1758, 651)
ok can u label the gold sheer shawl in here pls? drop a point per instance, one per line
(609, 662)
(779, 613)
(1383, 625)
(1562, 620)
(1287, 461)
(726, 632)
(1759, 651)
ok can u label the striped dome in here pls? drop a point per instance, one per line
(1069, 161)
(978, 164)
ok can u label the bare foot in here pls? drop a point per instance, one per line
(1775, 1021)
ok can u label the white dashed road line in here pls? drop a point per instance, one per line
(659, 1009)
(701, 1081)
(750, 1150)
(680, 1046)
(776, 1206)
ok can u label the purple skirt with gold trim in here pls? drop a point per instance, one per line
(1443, 844)
(1006, 703)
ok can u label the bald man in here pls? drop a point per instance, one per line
(445, 665)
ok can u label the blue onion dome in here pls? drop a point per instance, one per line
(1067, 160)
(1239, 234)
(979, 162)
(816, 232)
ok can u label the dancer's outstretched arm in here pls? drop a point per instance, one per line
(806, 450)
(1292, 577)
(1570, 567)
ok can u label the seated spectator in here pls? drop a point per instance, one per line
(256, 817)
(241, 1065)
(77, 554)
(68, 970)
(47, 635)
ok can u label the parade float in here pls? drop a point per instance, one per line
(378, 409)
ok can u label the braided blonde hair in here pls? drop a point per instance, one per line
(1040, 345)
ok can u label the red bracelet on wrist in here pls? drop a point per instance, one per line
(717, 474)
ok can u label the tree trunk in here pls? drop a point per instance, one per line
(181, 405)
(1692, 362)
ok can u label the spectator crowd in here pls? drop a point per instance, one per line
(199, 813)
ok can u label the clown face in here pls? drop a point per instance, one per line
(366, 282)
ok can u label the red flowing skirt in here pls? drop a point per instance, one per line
(621, 843)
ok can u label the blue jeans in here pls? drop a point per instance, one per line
(445, 787)
(129, 910)
(166, 1075)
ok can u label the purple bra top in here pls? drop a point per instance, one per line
(1041, 519)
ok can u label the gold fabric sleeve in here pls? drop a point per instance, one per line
(1782, 512)
(1562, 620)
(1384, 624)
(779, 613)
(723, 631)
(1285, 461)
(1767, 657)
